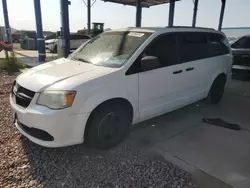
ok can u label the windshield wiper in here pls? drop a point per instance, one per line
(82, 59)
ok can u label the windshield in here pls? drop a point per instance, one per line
(110, 49)
(243, 42)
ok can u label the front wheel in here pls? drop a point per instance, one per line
(107, 126)
(217, 90)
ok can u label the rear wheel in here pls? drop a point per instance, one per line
(108, 125)
(217, 90)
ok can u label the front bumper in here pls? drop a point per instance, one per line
(241, 71)
(66, 129)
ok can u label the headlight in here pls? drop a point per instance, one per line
(56, 99)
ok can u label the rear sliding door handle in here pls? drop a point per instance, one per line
(190, 68)
(177, 72)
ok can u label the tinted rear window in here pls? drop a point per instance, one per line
(199, 45)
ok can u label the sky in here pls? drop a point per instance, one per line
(21, 14)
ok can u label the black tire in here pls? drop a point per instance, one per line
(108, 125)
(217, 90)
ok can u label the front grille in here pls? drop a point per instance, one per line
(23, 96)
(37, 133)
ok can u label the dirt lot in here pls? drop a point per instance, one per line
(24, 164)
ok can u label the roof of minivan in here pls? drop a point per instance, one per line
(166, 29)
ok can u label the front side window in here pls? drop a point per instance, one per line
(111, 49)
(165, 49)
(161, 52)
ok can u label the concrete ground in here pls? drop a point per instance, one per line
(217, 157)
(30, 58)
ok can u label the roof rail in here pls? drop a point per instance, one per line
(190, 27)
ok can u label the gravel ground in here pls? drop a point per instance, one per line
(24, 164)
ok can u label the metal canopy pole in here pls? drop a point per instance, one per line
(65, 27)
(6, 21)
(223, 4)
(171, 13)
(7, 26)
(39, 32)
(195, 12)
(89, 16)
(138, 13)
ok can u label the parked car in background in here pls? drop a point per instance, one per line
(241, 57)
(76, 40)
(119, 78)
(52, 36)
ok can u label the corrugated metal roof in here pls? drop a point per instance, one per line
(144, 3)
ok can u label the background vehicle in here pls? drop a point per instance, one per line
(119, 78)
(97, 28)
(241, 54)
(76, 40)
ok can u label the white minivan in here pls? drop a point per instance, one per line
(120, 77)
(76, 40)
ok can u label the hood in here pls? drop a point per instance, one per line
(43, 76)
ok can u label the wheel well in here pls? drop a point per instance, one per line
(222, 76)
(121, 101)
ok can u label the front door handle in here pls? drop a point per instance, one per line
(190, 68)
(177, 72)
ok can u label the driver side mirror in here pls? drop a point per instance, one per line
(150, 63)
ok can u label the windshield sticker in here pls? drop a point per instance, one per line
(134, 34)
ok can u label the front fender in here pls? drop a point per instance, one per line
(126, 88)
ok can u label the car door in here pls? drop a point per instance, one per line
(160, 88)
(198, 67)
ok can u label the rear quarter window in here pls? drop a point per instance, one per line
(217, 45)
